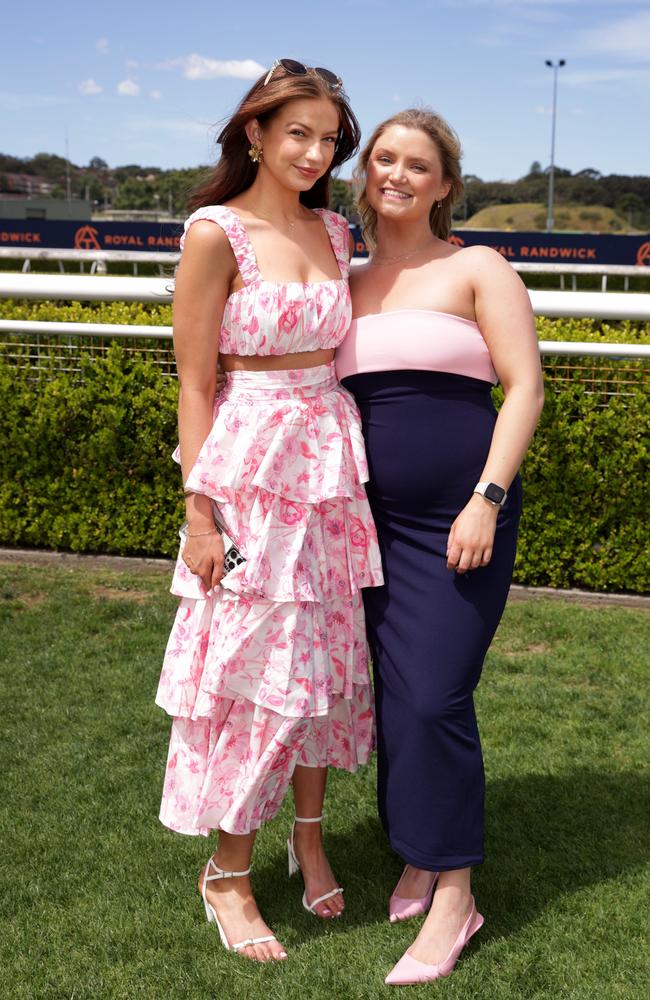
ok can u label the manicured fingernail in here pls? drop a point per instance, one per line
(283, 954)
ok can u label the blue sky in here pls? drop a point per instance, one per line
(145, 82)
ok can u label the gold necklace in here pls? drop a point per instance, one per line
(404, 256)
(291, 225)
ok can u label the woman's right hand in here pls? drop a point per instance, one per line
(203, 555)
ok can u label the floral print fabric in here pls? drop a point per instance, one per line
(271, 669)
(270, 317)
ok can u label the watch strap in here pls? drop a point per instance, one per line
(494, 494)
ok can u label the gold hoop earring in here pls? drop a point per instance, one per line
(255, 153)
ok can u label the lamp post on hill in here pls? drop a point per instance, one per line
(549, 218)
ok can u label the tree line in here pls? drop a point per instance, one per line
(137, 187)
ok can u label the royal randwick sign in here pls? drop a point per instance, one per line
(556, 248)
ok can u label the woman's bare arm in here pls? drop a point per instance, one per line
(505, 318)
(203, 281)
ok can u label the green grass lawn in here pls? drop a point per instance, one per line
(98, 900)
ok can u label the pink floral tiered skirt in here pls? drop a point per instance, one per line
(271, 669)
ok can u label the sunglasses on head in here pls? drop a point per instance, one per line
(298, 69)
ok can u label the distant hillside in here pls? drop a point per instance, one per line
(531, 216)
(148, 188)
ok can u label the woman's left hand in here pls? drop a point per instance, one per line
(472, 535)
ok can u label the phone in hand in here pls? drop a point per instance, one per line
(232, 556)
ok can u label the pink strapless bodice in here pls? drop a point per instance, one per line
(419, 339)
(274, 317)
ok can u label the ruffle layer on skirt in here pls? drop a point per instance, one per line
(271, 670)
(295, 659)
(294, 551)
(292, 436)
(232, 771)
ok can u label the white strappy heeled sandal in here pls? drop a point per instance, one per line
(210, 911)
(294, 866)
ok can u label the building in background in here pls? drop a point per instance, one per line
(44, 208)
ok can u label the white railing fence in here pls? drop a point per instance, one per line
(605, 369)
(79, 288)
(99, 261)
(108, 331)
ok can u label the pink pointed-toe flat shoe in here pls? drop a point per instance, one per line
(409, 971)
(400, 908)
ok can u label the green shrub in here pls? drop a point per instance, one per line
(138, 313)
(86, 466)
(86, 461)
(585, 520)
(593, 330)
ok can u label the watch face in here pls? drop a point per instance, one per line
(494, 493)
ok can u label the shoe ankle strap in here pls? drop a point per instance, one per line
(311, 819)
(220, 873)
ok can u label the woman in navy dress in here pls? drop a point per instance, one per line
(435, 327)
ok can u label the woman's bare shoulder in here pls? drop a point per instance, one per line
(207, 252)
(206, 235)
(483, 257)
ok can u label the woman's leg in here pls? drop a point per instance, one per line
(233, 900)
(309, 793)
(449, 911)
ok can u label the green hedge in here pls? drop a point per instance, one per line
(585, 520)
(86, 461)
(143, 313)
(593, 330)
(85, 467)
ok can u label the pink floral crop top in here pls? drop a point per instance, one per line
(281, 317)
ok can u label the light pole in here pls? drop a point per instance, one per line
(549, 218)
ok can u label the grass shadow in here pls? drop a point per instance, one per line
(547, 836)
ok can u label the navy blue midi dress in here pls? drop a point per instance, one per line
(428, 429)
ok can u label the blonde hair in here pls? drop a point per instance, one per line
(448, 146)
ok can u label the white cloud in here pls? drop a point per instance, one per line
(19, 102)
(197, 67)
(582, 78)
(627, 37)
(89, 87)
(102, 46)
(128, 88)
(542, 109)
(155, 95)
(180, 126)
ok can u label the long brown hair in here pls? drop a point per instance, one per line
(235, 172)
(448, 146)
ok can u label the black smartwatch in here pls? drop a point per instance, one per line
(496, 495)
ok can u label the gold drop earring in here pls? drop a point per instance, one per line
(255, 152)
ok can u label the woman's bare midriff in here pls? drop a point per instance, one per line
(276, 362)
